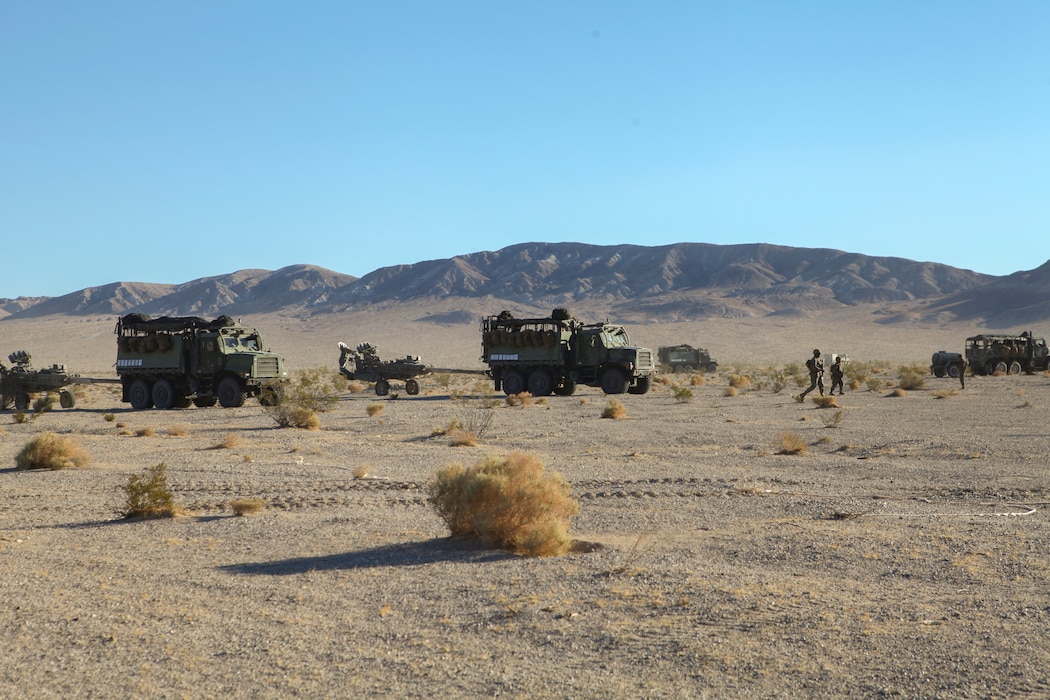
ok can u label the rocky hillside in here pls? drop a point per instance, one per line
(685, 281)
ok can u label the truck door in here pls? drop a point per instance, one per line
(209, 356)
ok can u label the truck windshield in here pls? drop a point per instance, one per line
(246, 342)
(615, 338)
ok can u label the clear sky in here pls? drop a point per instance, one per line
(166, 141)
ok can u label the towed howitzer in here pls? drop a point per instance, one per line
(367, 367)
(20, 381)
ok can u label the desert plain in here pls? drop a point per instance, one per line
(904, 552)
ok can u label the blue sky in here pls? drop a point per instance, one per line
(166, 141)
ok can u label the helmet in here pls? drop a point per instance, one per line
(816, 353)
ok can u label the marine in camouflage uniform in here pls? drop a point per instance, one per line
(815, 365)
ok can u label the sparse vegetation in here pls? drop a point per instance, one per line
(477, 417)
(898, 393)
(739, 381)
(51, 451)
(912, 378)
(731, 391)
(522, 399)
(374, 409)
(615, 410)
(789, 443)
(697, 380)
(833, 420)
(228, 442)
(108, 417)
(825, 402)
(148, 495)
(145, 432)
(509, 502)
(682, 394)
(247, 506)
(178, 430)
(945, 393)
(297, 403)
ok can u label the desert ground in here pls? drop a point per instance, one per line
(902, 553)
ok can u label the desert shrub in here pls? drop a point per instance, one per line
(945, 393)
(731, 391)
(615, 410)
(661, 380)
(476, 416)
(228, 442)
(509, 502)
(682, 394)
(109, 417)
(21, 417)
(833, 420)
(361, 471)
(355, 387)
(853, 384)
(777, 379)
(145, 432)
(51, 451)
(874, 384)
(374, 409)
(912, 378)
(148, 495)
(788, 443)
(697, 380)
(43, 403)
(522, 399)
(739, 381)
(296, 403)
(247, 506)
(178, 430)
(825, 402)
(898, 393)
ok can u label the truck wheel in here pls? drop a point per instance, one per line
(1015, 367)
(163, 394)
(687, 369)
(382, 387)
(204, 401)
(513, 383)
(566, 389)
(139, 395)
(230, 393)
(21, 401)
(642, 386)
(411, 387)
(541, 383)
(614, 381)
(713, 367)
(66, 399)
(1001, 367)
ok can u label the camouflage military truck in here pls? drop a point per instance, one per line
(1012, 354)
(173, 361)
(947, 364)
(686, 358)
(553, 355)
(20, 381)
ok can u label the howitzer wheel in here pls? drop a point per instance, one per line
(382, 387)
(66, 399)
(954, 371)
(411, 387)
(21, 401)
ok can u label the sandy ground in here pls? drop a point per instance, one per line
(903, 554)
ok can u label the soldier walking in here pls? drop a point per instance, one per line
(815, 365)
(836, 375)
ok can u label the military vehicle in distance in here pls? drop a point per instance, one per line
(21, 380)
(553, 355)
(369, 368)
(686, 358)
(172, 361)
(1012, 354)
(947, 364)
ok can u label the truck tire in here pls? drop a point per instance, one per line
(566, 389)
(1015, 367)
(642, 386)
(382, 387)
(541, 383)
(230, 393)
(712, 367)
(614, 381)
(139, 395)
(163, 394)
(66, 399)
(513, 383)
(1001, 367)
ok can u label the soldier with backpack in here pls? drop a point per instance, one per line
(815, 365)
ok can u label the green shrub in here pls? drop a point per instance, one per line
(508, 502)
(295, 404)
(51, 451)
(148, 495)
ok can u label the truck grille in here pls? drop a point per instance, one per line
(266, 367)
(645, 359)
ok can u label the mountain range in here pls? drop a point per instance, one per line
(683, 281)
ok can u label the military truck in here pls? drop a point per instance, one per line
(19, 381)
(947, 364)
(1011, 354)
(686, 358)
(553, 355)
(172, 361)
